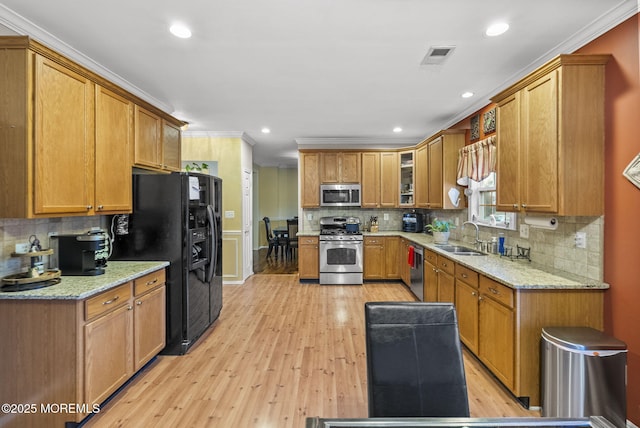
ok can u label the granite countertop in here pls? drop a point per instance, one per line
(81, 287)
(518, 274)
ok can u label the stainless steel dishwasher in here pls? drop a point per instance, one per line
(417, 272)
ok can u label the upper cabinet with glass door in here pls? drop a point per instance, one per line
(406, 178)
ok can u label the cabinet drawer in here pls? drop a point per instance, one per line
(104, 302)
(446, 265)
(307, 240)
(469, 276)
(430, 256)
(369, 240)
(149, 281)
(498, 292)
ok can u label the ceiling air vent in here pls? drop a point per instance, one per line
(437, 55)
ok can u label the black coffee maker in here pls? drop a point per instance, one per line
(77, 253)
(413, 222)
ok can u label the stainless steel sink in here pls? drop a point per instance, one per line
(459, 250)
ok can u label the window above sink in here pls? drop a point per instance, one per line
(482, 205)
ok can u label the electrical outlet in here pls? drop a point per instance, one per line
(309, 216)
(22, 247)
(581, 240)
(524, 231)
(229, 214)
(385, 216)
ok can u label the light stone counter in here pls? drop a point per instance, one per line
(516, 273)
(81, 287)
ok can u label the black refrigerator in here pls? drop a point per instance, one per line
(177, 217)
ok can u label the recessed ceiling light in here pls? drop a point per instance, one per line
(497, 29)
(397, 129)
(467, 94)
(265, 130)
(180, 30)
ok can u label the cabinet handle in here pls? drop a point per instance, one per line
(480, 298)
(89, 207)
(139, 302)
(108, 302)
(515, 206)
(152, 282)
(435, 270)
(524, 206)
(129, 307)
(464, 275)
(100, 207)
(473, 293)
(493, 290)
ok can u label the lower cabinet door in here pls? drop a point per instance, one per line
(496, 347)
(467, 311)
(108, 359)
(149, 324)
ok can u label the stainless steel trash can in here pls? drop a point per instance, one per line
(584, 373)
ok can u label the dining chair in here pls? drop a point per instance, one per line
(274, 241)
(292, 237)
(414, 360)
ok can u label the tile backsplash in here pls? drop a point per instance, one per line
(16, 231)
(551, 250)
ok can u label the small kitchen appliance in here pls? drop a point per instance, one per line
(340, 195)
(77, 253)
(341, 251)
(413, 222)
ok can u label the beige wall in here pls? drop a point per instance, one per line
(228, 152)
(277, 198)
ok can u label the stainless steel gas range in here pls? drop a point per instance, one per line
(341, 249)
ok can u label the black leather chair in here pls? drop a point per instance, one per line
(292, 237)
(414, 360)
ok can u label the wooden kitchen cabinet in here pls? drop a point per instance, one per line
(379, 185)
(309, 172)
(436, 169)
(125, 329)
(370, 183)
(406, 178)
(308, 257)
(496, 327)
(502, 325)
(114, 140)
(340, 167)
(548, 124)
(430, 277)
(380, 260)
(66, 136)
(392, 248)
(171, 146)
(108, 351)
(466, 298)
(149, 326)
(374, 258)
(446, 290)
(86, 349)
(389, 179)
(147, 151)
(157, 142)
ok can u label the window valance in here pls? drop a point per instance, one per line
(476, 161)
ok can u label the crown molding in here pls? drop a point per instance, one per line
(24, 27)
(215, 134)
(356, 142)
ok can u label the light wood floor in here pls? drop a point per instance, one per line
(280, 352)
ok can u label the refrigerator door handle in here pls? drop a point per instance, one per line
(213, 233)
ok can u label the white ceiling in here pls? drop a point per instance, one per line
(316, 72)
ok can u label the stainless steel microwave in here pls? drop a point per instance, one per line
(340, 195)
